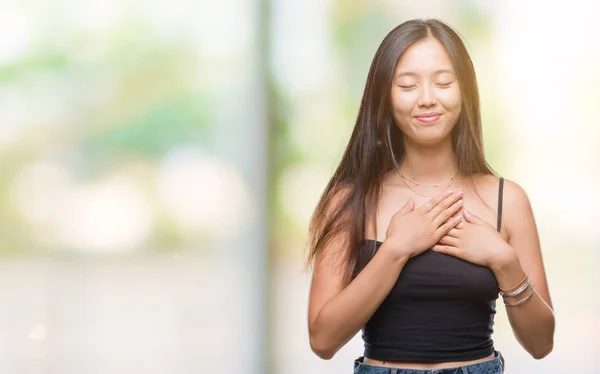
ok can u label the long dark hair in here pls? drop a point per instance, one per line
(376, 144)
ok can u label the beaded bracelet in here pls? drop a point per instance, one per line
(523, 299)
(519, 290)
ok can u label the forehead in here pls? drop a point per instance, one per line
(424, 57)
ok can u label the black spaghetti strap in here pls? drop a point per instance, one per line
(500, 188)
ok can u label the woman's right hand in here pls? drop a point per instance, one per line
(412, 231)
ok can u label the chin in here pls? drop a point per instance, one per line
(430, 139)
(429, 142)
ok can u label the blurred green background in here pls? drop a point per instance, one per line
(159, 163)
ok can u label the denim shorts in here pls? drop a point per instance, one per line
(493, 366)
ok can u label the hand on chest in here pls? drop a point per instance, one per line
(475, 239)
(387, 207)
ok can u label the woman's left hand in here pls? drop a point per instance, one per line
(476, 241)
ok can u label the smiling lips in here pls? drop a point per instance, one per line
(428, 118)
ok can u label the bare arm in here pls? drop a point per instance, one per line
(533, 321)
(336, 313)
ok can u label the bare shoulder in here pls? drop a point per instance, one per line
(487, 186)
(331, 202)
(515, 202)
(518, 211)
(334, 249)
(338, 195)
(486, 182)
(515, 196)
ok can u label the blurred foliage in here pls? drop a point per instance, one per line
(125, 97)
(153, 131)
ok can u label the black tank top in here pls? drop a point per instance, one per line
(440, 309)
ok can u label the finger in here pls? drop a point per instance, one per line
(448, 240)
(434, 201)
(472, 218)
(449, 250)
(444, 204)
(449, 225)
(407, 207)
(447, 213)
(453, 232)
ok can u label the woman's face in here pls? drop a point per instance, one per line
(426, 100)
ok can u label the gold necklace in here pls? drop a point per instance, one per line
(420, 194)
(427, 185)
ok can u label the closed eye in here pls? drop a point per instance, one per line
(441, 85)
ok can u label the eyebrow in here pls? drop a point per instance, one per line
(440, 71)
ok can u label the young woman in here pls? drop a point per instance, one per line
(414, 236)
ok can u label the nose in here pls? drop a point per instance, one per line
(426, 96)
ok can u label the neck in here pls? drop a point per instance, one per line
(434, 164)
